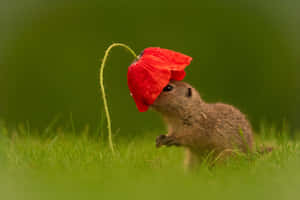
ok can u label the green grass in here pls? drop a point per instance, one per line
(80, 166)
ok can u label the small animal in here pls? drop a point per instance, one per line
(201, 128)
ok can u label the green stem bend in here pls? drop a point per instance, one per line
(103, 90)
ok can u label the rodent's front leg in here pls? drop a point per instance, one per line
(166, 140)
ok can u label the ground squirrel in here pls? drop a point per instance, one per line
(200, 127)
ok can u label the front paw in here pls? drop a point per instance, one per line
(160, 140)
(166, 140)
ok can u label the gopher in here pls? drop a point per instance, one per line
(201, 128)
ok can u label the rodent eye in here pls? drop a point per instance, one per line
(168, 88)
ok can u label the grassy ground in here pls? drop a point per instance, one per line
(68, 166)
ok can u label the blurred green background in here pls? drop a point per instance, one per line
(245, 53)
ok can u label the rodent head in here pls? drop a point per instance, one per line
(177, 98)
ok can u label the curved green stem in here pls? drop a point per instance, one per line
(103, 90)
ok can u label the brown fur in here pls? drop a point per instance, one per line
(202, 128)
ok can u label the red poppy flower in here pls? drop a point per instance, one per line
(153, 70)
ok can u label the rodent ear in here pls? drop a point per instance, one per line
(189, 92)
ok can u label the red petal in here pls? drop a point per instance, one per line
(178, 75)
(146, 83)
(166, 59)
